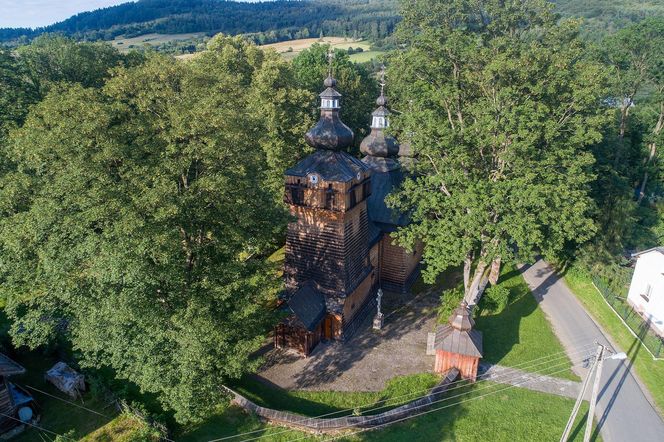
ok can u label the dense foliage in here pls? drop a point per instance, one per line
(139, 195)
(502, 107)
(136, 218)
(268, 21)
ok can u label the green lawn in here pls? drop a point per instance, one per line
(506, 414)
(361, 57)
(521, 333)
(650, 372)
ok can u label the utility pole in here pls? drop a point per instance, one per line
(598, 378)
(593, 399)
(600, 357)
(579, 399)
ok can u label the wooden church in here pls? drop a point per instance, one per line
(339, 248)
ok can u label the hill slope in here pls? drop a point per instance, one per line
(273, 21)
(284, 19)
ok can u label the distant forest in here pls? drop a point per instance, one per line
(268, 22)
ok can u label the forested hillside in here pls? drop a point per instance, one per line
(606, 16)
(279, 20)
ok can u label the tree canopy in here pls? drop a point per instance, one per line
(138, 214)
(501, 106)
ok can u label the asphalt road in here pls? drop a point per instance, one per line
(623, 411)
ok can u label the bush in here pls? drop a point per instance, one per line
(496, 298)
(449, 300)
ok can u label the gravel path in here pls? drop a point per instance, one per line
(368, 360)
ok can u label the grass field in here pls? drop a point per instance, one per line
(521, 333)
(649, 371)
(297, 46)
(125, 44)
(58, 415)
(361, 57)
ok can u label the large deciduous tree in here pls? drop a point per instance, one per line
(138, 216)
(500, 105)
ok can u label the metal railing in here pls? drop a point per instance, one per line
(633, 320)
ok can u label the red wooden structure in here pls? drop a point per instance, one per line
(457, 345)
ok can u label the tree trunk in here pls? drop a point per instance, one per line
(653, 151)
(495, 271)
(478, 284)
(467, 264)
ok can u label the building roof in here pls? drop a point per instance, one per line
(654, 249)
(382, 184)
(330, 166)
(9, 367)
(458, 335)
(308, 305)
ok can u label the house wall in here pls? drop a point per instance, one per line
(649, 271)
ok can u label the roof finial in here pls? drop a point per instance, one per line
(330, 59)
(382, 79)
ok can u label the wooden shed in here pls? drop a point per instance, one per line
(457, 345)
(11, 398)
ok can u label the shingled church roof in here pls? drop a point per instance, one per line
(308, 305)
(330, 166)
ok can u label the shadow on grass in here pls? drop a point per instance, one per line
(501, 331)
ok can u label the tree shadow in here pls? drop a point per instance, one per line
(501, 331)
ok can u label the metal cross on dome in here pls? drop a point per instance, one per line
(330, 59)
(382, 79)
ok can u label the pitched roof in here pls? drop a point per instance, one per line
(308, 305)
(458, 335)
(382, 184)
(9, 367)
(468, 343)
(654, 249)
(330, 165)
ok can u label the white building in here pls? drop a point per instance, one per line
(646, 292)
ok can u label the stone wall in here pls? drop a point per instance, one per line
(325, 425)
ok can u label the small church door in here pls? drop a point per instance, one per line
(327, 327)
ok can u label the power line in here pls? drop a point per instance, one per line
(524, 365)
(484, 387)
(529, 364)
(37, 426)
(425, 412)
(67, 402)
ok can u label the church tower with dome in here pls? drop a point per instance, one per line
(338, 240)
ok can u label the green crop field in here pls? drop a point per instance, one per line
(126, 44)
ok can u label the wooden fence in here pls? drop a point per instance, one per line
(336, 424)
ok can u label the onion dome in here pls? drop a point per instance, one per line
(379, 147)
(461, 318)
(330, 132)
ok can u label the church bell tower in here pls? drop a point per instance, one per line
(327, 243)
